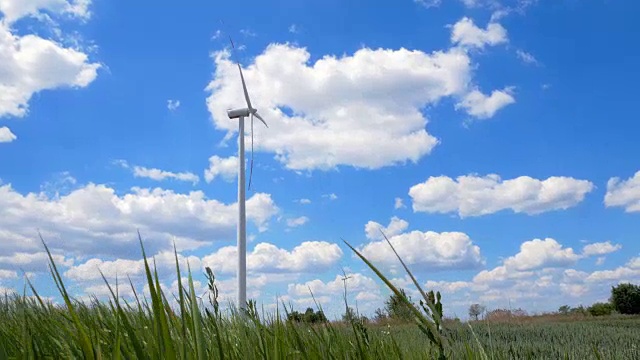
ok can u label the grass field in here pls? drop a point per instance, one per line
(31, 328)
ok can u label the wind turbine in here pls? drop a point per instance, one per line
(240, 114)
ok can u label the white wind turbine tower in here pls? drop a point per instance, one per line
(240, 114)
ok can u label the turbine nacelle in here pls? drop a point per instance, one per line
(237, 113)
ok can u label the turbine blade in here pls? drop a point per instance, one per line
(244, 87)
(261, 119)
(251, 167)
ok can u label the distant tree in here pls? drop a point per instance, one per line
(295, 316)
(475, 310)
(578, 310)
(320, 317)
(626, 298)
(600, 309)
(564, 309)
(309, 316)
(397, 308)
(380, 315)
(350, 316)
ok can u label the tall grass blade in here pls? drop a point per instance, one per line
(85, 342)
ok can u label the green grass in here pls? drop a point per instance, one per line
(31, 328)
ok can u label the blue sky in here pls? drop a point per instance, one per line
(491, 140)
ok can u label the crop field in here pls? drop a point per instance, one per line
(31, 328)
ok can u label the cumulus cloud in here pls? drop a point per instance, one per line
(6, 136)
(299, 221)
(34, 261)
(122, 268)
(8, 274)
(601, 248)
(333, 111)
(304, 201)
(226, 168)
(17, 9)
(467, 34)
(356, 282)
(624, 193)
(482, 106)
(97, 220)
(396, 226)
(427, 250)
(537, 253)
(309, 256)
(619, 274)
(536, 276)
(473, 195)
(31, 64)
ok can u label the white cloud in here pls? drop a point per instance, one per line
(535, 279)
(467, 34)
(309, 256)
(619, 274)
(299, 221)
(6, 136)
(304, 201)
(160, 175)
(8, 274)
(526, 57)
(482, 106)
(157, 174)
(247, 32)
(396, 226)
(601, 248)
(428, 3)
(624, 193)
(334, 111)
(165, 263)
(398, 203)
(331, 196)
(335, 288)
(537, 254)
(426, 250)
(447, 287)
(293, 29)
(95, 220)
(173, 104)
(600, 260)
(471, 3)
(16, 9)
(226, 168)
(31, 64)
(37, 261)
(472, 195)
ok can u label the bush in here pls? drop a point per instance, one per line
(397, 309)
(309, 316)
(601, 309)
(626, 298)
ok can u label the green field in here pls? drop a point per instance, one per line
(31, 328)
